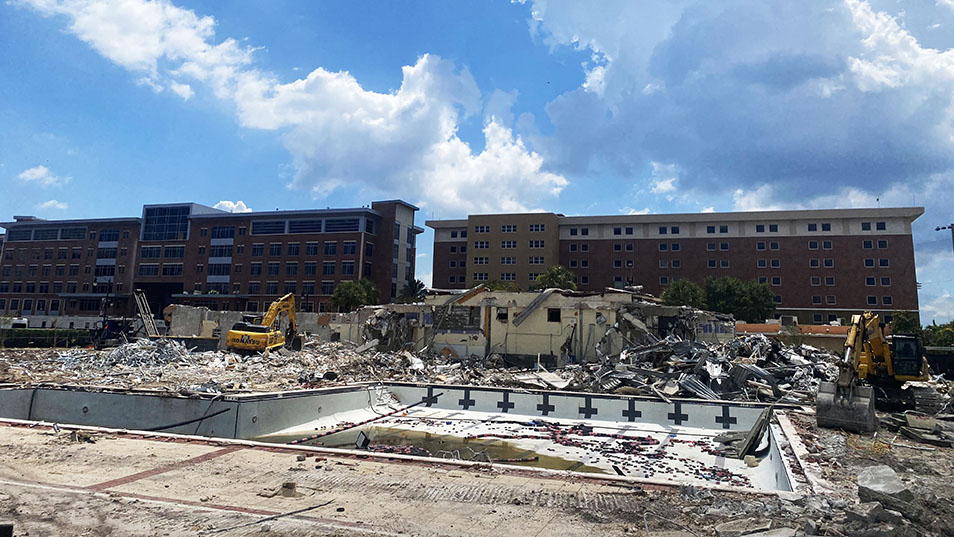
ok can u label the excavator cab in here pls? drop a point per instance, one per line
(907, 355)
(261, 334)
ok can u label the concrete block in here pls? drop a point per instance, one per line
(866, 512)
(742, 526)
(875, 482)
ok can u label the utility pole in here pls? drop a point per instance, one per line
(951, 227)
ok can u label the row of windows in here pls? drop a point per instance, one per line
(505, 260)
(46, 270)
(461, 234)
(77, 253)
(272, 288)
(463, 249)
(43, 288)
(79, 233)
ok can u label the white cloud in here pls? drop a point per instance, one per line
(42, 176)
(182, 90)
(427, 278)
(631, 211)
(339, 135)
(708, 210)
(940, 309)
(53, 204)
(759, 199)
(233, 206)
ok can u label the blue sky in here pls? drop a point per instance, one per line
(580, 108)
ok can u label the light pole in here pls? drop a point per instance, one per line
(949, 226)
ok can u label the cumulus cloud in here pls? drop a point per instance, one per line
(743, 94)
(41, 175)
(631, 211)
(942, 307)
(339, 134)
(233, 206)
(53, 204)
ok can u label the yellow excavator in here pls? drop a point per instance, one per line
(260, 334)
(872, 373)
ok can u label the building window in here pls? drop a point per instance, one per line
(712, 263)
(773, 245)
(617, 247)
(773, 228)
(508, 260)
(219, 269)
(291, 269)
(867, 244)
(453, 234)
(777, 299)
(830, 299)
(866, 226)
(629, 231)
(481, 260)
(826, 245)
(883, 262)
(294, 248)
(585, 231)
(508, 276)
(881, 226)
(481, 245)
(662, 263)
(172, 269)
(675, 263)
(584, 263)
(537, 228)
(723, 229)
(480, 276)
(829, 262)
(724, 263)
(508, 245)
(481, 229)
(573, 231)
(710, 230)
(536, 244)
(869, 262)
(291, 287)
(451, 279)
(674, 230)
(663, 230)
(331, 248)
(574, 247)
(760, 228)
(812, 227)
(883, 244)
(724, 246)
(760, 245)
(812, 245)
(508, 228)
(886, 300)
(674, 247)
(664, 280)
(761, 263)
(617, 231)
(826, 226)
(885, 281)
(328, 268)
(776, 281)
(327, 288)
(870, 281)
(829, 281)
(816, 281)
(585, 280)
(817, 299)
(148, 270)
(453, 264)
(573, 263)
(255, 269)
(311, 248)
(872, 300)
(776, 263)
(618, 263)
(663, 247)
(536, 260)
(711, 246)
(258, 250)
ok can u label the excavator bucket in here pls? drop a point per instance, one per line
(851, 409)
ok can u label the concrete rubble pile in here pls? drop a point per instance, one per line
(745, 368)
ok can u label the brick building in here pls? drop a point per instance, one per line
(822, 265)
(192, 254)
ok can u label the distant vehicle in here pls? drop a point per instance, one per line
(259, 334)
(16, 322)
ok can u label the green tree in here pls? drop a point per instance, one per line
(348, 296)
(747, 301)
(497, 285)
(935, 335)
(412, 292)
(684, 293)
(558, 277)
(906, 322)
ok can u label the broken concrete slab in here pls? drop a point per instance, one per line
(866, 512)
(779, 532)
(875, 482)
(742, 526)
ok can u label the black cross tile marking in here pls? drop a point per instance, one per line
(676, 415)
(631, 413)
(725, 419)
(466, 402)
(545, 408)
(588, 410)
(430, 397)
(505, 405)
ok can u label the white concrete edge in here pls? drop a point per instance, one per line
(397, 456)
(812, 471)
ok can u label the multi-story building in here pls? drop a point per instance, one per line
(821, 265)
(188, 253)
